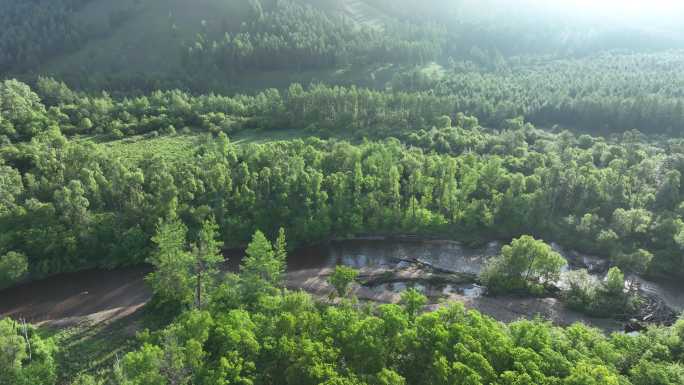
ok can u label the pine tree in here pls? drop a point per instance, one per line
(207, 254)
(261, 270)
(281, 250)
(171, 281)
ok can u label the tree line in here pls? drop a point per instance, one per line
(323, 110)
(616, 198)
(600, 93)
(72, 203)
(595, 95)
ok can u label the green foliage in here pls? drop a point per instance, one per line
(218, 42)
(523, 265)
(606, 299)
(291, 35)
(413, 301)
(207, 255)
(13, 268)
(184, 277)
(171, 280)
(102, 202)
(657, 373)
(68, 203)
(582, 290)
(261, 269)
(22, 115)
(143, 367)
(621, 91)
(280, 250)
(589, 374)
(86, 379)
(10, 188)
(285, 338)
(615, 281)
(342, 278)
(36, 30)
(637, 262)
(25, 358)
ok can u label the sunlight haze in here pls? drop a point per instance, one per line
(623, 7)
(341, 192)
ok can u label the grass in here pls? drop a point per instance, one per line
(261, 137)
(94, 348)
(172, 148)
(177, 148)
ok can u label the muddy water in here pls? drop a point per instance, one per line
(308, 269)
(454, 257)
(313, 264)
(446, 255)
(671, 292)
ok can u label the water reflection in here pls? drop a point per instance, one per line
(450, 256)
(446, 255)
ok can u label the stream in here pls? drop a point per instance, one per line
(444, 270)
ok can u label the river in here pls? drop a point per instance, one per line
(98, 295)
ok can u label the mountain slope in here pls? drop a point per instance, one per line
(237, 45)
(143, 37)
(130, 42)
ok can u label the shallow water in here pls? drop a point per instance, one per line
(671, 293)
(450, 256)
(446, 255)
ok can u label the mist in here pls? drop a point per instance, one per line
(643, 14)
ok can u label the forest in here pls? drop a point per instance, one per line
(601, 195)
(211, 149)
(299, 37)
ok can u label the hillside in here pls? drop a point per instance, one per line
(243, 45)
(131, 44)
(140, 39)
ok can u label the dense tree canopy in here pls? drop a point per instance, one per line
(603, 92)
(618, 197)
(291, 35)
(36, 29)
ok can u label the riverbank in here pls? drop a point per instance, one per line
(444, 270)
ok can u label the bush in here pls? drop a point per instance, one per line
(13, 268)
(581, 291)
(602, 299)
(526, 265)
(342, 278)
(25, 358)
